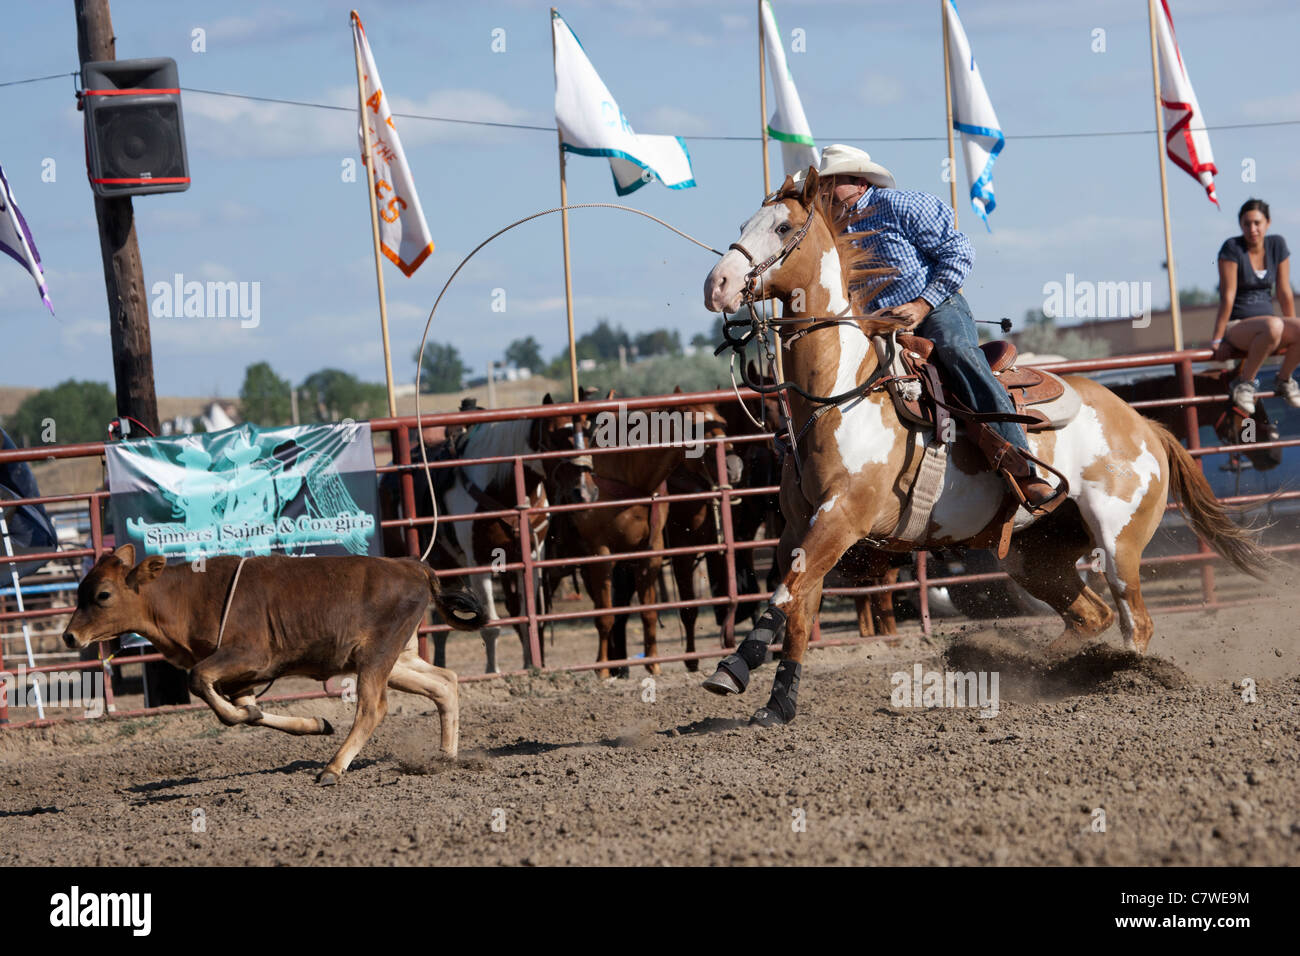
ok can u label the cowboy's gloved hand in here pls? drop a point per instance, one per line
(909, 314)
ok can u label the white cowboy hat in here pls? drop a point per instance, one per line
(841, 160)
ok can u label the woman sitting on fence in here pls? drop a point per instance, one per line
(1250, 266)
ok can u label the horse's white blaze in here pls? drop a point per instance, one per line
(759, 236)
(781, 595)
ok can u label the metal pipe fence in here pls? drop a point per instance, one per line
(408, 466)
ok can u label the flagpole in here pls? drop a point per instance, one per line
(1174, 311)
(767, 176)
(762, 98)
(564, 226)
(374, 224)
(947, 100)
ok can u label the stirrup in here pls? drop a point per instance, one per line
(1050, 504)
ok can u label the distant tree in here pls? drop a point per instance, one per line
(442, 369)
(78, 411)
(264, 398)
(658, 342)
(711, 338)
(525, 353)
(602, 342)
(331, 395)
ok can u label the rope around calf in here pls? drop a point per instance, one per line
(419, 369)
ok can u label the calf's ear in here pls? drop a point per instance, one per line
(146, 571)
(126, 554)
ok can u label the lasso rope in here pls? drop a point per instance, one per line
(419, 369)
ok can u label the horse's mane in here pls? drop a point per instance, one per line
(866, 275)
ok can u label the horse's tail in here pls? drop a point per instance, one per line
(461, 609)
(1209, 518)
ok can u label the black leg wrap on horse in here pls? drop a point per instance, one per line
(781, 707)
(753, 650)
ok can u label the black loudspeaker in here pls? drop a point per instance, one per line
(135, 137)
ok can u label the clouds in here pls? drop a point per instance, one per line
(228, 127)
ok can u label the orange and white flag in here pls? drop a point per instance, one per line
(1186, 138)
(403, 233)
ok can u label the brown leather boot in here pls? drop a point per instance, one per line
(1017, 471)
(1039, 496)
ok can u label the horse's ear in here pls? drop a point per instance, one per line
(677, 389)
(789, 186)
(810, 184)
(610, 395)
(547, 400)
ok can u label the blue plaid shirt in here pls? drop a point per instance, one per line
(914, 233)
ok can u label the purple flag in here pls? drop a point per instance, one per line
(16, 240)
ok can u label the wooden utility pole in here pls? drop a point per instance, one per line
(128, 314)
(128, 309)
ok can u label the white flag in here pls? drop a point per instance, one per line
(972, 116)
(403, 233)
(788, 124)
(591, 124)
(1186, 138)
(16, 240)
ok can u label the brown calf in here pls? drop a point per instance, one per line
(312, 617)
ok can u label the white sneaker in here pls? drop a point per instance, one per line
(1288, 389)
(1243, 396)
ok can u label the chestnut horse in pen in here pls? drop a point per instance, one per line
(857, 457)
(629, 474)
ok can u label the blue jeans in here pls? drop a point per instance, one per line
(957, 351)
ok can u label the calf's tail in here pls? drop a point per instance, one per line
(461, 609)
(1240, 546)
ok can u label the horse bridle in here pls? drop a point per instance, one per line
(758, 268)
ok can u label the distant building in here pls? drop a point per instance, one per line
(214, 418)
(1129, 336)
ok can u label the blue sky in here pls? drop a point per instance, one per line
(268, 203)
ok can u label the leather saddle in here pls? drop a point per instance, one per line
(1045, 397)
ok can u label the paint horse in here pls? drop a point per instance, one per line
(857, 457)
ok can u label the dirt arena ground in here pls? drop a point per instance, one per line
(572, 769)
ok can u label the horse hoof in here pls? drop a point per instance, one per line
(327, 778)
(326, 728)
(622, 673)
(722, 683)
(766, 717)
(692, 666)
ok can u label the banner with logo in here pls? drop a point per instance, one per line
(303, 490)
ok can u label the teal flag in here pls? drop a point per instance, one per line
(304, 490)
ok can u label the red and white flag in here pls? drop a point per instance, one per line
(403, 233)
(1186, 138)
